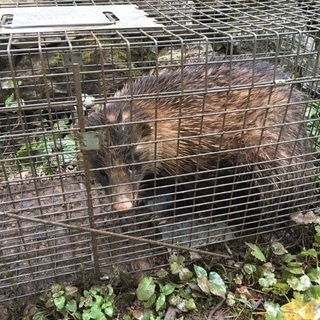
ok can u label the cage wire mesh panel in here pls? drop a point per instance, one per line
(236, 164)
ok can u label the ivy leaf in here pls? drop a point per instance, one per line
(151, 301)
(99, 300)
(249, 268)
(162, 273)
(55, 288)
(309, 253)
(295, 268)
(96, 313)
(278, 249)
(231, 299)
(71, 306)
(314, 275)
(200, 271)
(204, 284)
(185, 274)
(175, 267)
(176, 263)
(86, 315)
(273, 311)
(70, 290)
(146, 288)
(268, 279)
(178, 302)
(108, 311)
(299, 284)
(160, 302)
(167, 289)
(59, 302)
(256, 251)
(268, 266)
(137, 314)
(218, 286)
(287, 257)
(190, 304)
(280, 288)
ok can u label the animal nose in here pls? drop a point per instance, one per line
(124, 205)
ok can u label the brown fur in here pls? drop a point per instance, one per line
(199, 120)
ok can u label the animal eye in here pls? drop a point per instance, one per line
(102, 172)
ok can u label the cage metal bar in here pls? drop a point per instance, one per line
(232, 24)
(80, 112)
(108, 233)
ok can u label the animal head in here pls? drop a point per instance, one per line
(119, 163)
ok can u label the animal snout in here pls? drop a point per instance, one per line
(122, 203)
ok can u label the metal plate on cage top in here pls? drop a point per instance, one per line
(28, 19)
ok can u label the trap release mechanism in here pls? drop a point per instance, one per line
(73, 18)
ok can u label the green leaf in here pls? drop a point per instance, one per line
(185, 275)
(200, 271)
(268, 266)
(146, 289)
(41, 315)
(58, 294)
(299, 284)
(55, 288)
(109, 312)
(178, 302)
(160, 302)
(186, 292)
(312, 293)
(218, 286)
(59, 302)
(49, 303)
(110, 288)
(86, 315)
(175, 267)
(151, 301)
(268, 279)
(295, 270)
(176, 263)
(278, 248)
(71, 306)
(287, 257)
(96, 313)
(314, 275)
(309, 253)
(256, 251)
(11, 102)
(317, 238)
(71, 291)
(162, 273)
(98, 300)
(230, 300)
(280, 288)
(9, 84)
(249, 268)
(167, 289)
(174, 299)
(191, 305)
(106, 304)
(273, 311)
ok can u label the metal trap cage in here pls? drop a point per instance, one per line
(85, 186)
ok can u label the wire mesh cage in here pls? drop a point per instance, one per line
(144, 126)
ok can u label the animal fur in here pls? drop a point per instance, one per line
(228, 124)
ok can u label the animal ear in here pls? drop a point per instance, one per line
(144, 129)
